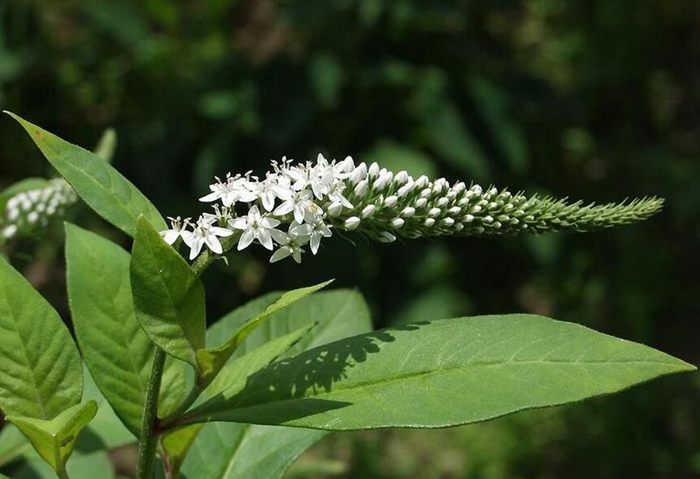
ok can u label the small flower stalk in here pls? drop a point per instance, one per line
(29, 211)
(296, 206)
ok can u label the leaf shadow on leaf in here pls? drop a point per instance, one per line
(288, 383)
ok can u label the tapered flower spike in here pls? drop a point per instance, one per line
(314, 198)
(29, 211)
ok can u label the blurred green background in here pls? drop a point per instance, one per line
(592, 99)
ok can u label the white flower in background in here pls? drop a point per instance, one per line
(204, 234)
(312, 198)
(27, 211)
(254, 226)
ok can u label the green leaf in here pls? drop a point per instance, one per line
(81, 466)
(168, 295)
(234, 374)
(244, 451)
(55, 439)
(212, 360)
(40, 371)
(13, 444)
(115, 348)
(106, 431)
(102, 187)
(442, 373)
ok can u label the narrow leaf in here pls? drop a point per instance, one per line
(244, 451)
(55, 439)
(102, 187)
(439, 374)
(168, 295)
(212, 360)
(40, 371)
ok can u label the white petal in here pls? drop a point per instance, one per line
(220, 231)
(280, 237)
(268, 200)
(188, 237)
(170, 236)
(213, 243)
(281, 253)
(210, 197)
(285, 208)
(240, 223)
(246, 238)
(265, 238)
(296, 254)
(315, 242)
(302, 230)
(269, 222)
(196, 247)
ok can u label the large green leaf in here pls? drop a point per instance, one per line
(439, 374)
(168, 295)
(244, 451)
(55, 439)
(40, 371)
(213, 359)
(102, 187)
(115, 348)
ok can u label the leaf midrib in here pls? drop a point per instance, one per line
(371, 384)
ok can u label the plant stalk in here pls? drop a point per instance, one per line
(148, 440)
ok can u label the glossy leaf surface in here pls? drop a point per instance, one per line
(442, 373)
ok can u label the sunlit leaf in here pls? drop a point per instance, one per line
(439, 374)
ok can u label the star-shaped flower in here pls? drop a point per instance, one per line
(254, 226)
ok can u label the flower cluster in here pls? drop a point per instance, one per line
(297, 205)
(29, 210)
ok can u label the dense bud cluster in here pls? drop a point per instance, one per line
(295, 206)
(30, 210)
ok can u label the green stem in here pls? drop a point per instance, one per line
(62, 473)
(148, 440)
(207, 257)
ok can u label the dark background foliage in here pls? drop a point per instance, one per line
(591, 99)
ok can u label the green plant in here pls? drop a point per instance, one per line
(303, 361)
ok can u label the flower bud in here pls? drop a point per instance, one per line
(368, 211)
(352, 223)
(421, 202)
(397, 222)
(408, 212)
(361, 188)
(390, 201)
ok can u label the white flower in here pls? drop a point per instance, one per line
(302, 205)
(236, 188)
(204, 234)
(290, 244)
(274, 186)
(315, 231)
(176, 228)
(254, 226)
